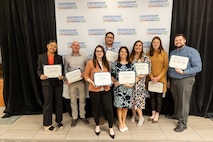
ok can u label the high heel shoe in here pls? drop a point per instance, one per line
(97, 133)
(111, 133)
(112, 136)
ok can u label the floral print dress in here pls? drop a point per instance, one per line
(139, 92)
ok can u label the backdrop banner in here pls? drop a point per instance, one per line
(87, 21)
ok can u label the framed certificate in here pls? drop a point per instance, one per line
(102, 78)
(178, 62)
(126, 77)
(141, 68)
(52, 71)
(111, 56)
(74, 76)
(155, 87)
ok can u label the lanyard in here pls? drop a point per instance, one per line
(101, 67)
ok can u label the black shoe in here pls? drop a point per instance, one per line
(112, 136)
(180, 128)
(60, 126)
(50, 128)
(97, 133)
(74, 122)
(6, 115)
(85, 121)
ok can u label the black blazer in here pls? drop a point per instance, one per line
(43, 60)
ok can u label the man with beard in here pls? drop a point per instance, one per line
(182, 80)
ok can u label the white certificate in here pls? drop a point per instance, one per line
(111, 56)
(74, 76)
(155, 87)
(52, 71)
(102, 78)
(178, 62)
(126, 77)
(141, 68)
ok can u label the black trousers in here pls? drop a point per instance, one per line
(49, 92)
(156, 101)
(104, 98)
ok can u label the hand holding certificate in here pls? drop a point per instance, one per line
(74, 76)
(111, 56)
(126, 77)
(102, 79)
(141, 68)
(52, 71)
(178, 62)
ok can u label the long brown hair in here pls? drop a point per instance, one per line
(132, 55)
(151, 50)
(127, 58)
(104, 60)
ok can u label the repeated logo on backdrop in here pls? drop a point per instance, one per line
(87, 21)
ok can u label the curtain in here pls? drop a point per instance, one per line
(194, 19)
(27, 25)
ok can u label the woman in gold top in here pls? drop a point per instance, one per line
(159, 60)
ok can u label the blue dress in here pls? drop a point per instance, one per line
(122, 95)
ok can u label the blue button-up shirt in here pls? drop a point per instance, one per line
(194, 65)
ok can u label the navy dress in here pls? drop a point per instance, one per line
(122, 94)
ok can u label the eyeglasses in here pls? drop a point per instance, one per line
(98, 51)
(110, 37)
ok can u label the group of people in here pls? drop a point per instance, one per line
(120, 97)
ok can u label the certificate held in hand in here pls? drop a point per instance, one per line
(141, 68)
(126, 77)
(74, 76)
(52, 71)
(102, 78)
(178, 62)
(155, 87)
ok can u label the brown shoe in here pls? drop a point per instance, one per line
(74, 122)
(101, 120)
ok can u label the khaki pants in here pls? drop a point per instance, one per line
(77, 90)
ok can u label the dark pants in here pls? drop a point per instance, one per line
(181, 91)
(49, 92)
(156, 101)
(104, 98)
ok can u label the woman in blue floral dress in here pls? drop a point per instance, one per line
(139, 92)
(122, 92)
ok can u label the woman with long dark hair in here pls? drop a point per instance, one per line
(51, 87)
(99, 94)
(122, 92)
